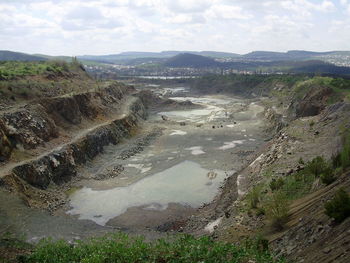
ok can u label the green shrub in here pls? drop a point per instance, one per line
(254, 196)
(301, 161)
(260, 211)
(121, 248)
(328, 178)
(336, 160)
(317, 166)
(345, 152)
(276, 184)
(277, 208)
(339, 207)
(298, 184)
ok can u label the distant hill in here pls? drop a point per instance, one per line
(289, 55)
(6, 55)
(125, 57)
(317, 66)
(191, 60)
(63, 58)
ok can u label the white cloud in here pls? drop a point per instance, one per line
(227, 12)
(109, 26)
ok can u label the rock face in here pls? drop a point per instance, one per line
(312, 103)
(60, 166)
(5, 145)
(32, 125)
(152, 100)
(28, 127)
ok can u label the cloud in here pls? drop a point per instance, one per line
(110, 26)
(188, 6)
(228, 12)
(84, 13)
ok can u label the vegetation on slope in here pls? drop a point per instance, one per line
(273, 85)
(31, 80)
(10, 70)
(272, 197)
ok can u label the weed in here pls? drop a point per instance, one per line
(254, 196)
(277, 207)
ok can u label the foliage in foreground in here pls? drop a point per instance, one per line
(121, 248)
(339, 207)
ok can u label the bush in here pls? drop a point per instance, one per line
(301, 161)
(277, 208)
(339, 207)
(298, 184)
(336, 160)
(317, 166)
(276, 184)
(328, 178)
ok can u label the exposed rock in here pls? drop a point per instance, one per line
(29, 126)
(60, 165)
(312, 103)
(5, 145)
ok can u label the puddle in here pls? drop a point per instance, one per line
(230, 145)
(186, 183)
(178, 132)
(205, 100)
(141, 167)
(209, 113)
(196, 150)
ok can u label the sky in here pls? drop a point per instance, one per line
(78, 27)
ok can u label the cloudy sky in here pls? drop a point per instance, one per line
(76, 27)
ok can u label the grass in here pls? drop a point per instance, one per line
(10, 70)
(122, 248)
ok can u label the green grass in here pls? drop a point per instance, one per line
(122, 248)
(11, 70)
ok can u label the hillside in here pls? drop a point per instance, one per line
(17, 56)
(289, 55)
(23, 81)
(124, 57)
(282, 193)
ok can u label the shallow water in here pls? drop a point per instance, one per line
(186, 183)
(214, 108)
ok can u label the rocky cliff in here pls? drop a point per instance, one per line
(58, 134)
